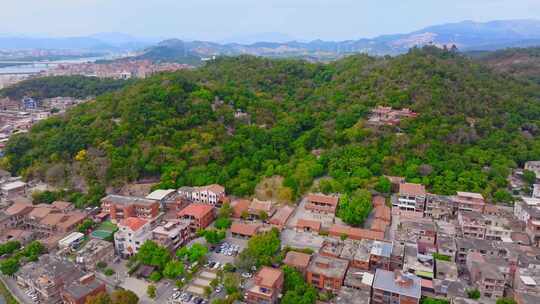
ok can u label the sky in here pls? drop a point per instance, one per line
(225, 20)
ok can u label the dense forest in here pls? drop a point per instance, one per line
(520, 62)
(65, 86)
(239, 119)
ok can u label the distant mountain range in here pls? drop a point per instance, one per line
(466, 35)
(95, 43)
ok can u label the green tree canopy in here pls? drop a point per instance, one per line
(194, 253)
(100, 298)
(173, 269)
(355, 208)
(261, 250)
(150, 253)
(124, 296)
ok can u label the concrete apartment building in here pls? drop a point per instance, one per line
(446, 246)
(321, 203)
(199, 215)
(45, 220)
(172, 234)
(526, 208)
(56, 280)
(411, 197)
(526, 285)
(94, 251)
(163, 196)
(468, 201)
(416, 230)
(528, 211)
(395, 287)
(10, 190)
(472, 225)
(120, 207)
(77, 292)
(132, 233)
(267, 287)
(326, 272)
(487, 277)
(17, 213)
(440, 207)
(212, 194)
(486, 248)
(481, 226)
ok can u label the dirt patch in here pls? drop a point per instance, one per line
(272, 189)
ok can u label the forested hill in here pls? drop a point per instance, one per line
(66, 86)
(520, 62)
(239, 119)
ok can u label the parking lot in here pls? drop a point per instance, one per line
(228, 250)
(193, 293)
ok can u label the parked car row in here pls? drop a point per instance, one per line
(228, 249)
(247, 275)
(32, 295)
(214, 265)
(184, 297)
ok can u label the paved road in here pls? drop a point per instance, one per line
(18, 293)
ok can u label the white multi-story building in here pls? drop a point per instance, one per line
(411, 197)
(132, 233)
(523, 209)
(536, 191)
(211, 194)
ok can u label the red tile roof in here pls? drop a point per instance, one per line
(62, 205)
(355, 233)
(379, 225)
(379, 201)
(323, 199)
(268, 277)
(297, 259)
(313, 225)
(239, 206)
(360, 234)
(383, 213)
(40, 212)
(257, 206)
(73, 219)
(338, 230)
(134, 223)
(245, 229)
(281, 216)
(52, 219)
(19, 209)
(196, 210)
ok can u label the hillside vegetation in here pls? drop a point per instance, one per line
(473, 127)
(65, 86)
(520, 62)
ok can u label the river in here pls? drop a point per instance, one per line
(40, 66)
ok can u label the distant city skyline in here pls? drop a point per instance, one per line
(229, 20)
